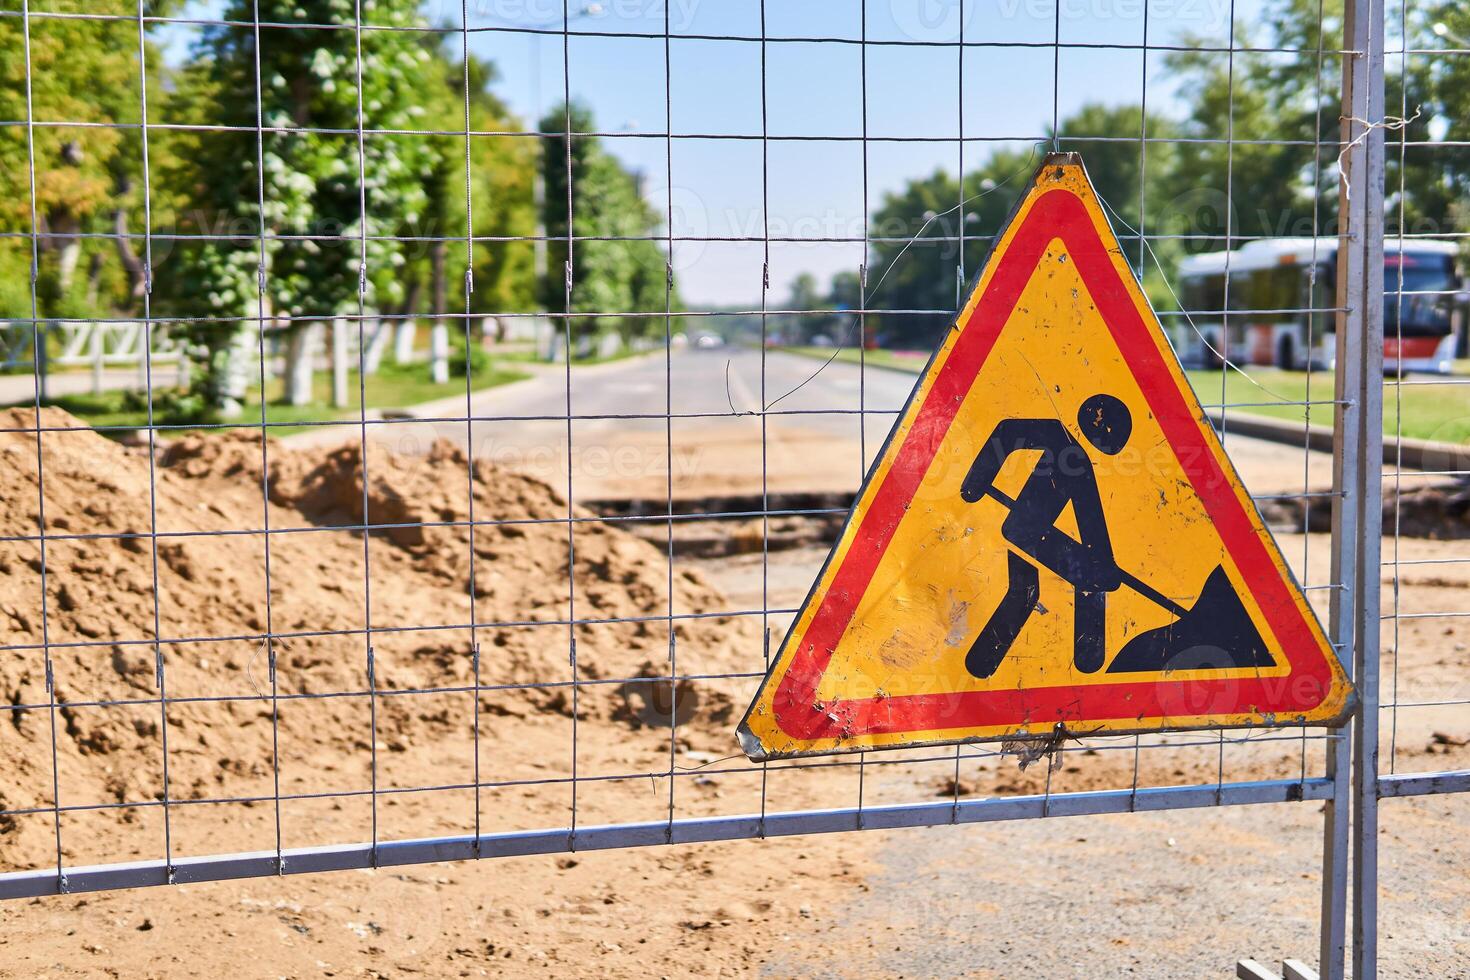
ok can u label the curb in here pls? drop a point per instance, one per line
(1415, 454)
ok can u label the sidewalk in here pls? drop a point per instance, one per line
(20, 389)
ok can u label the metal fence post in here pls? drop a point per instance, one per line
(1358, 505)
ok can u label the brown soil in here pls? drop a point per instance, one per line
(99, 612)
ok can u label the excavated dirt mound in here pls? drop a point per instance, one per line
(407, 594)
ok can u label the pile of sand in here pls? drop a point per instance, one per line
(101, 606)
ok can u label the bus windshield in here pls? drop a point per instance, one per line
(1417, 288)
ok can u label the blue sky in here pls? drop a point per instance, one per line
(814, 88)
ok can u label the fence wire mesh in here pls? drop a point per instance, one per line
(265, 618)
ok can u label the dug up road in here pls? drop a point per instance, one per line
(1159, 895)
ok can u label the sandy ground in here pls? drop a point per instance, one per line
(1167, 894)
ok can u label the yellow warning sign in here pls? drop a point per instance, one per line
(1053, 534)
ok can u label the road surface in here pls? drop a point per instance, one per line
(822, 427)
(20, 389)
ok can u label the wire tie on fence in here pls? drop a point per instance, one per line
(669, 274)
(469, 281)
(1030, 749)
(158, 666)
(371, 670)
(475, 662)
(1387, 124)
(50, 680)
(63, 885)
(567, 274)
(148, 279)
(765, 275)
(260, 277)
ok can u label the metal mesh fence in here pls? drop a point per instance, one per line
(516, 618)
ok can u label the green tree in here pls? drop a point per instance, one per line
(88, 176)
(1259, 156)
(313, 215)
(1428, 185)
(916, 260)
(1129, 176)
(623, 270)
(501, 169)
(811, 319)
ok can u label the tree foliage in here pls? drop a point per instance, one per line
(320, 220)
(1252, 153)
(916, 256)
(88, 177)
(621, 269)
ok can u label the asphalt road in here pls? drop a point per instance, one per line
(689, 423)
(693, 414)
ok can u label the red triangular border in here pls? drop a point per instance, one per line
(1055, 214)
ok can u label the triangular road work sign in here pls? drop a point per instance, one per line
(1052, 535)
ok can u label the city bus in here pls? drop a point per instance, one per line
(1275, 282)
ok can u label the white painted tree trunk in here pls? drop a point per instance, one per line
(404, 334)
(301, 352)
(376, 332)
(340, 327)
(239, 354)
(71, 254)
(439, 352)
